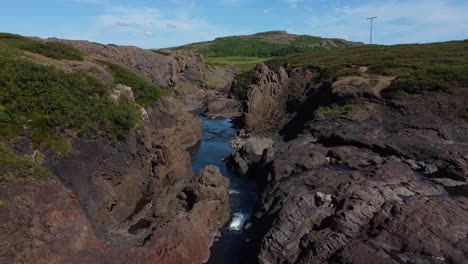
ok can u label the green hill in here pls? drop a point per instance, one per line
(266, 44)
(246, 51)
(417, 67)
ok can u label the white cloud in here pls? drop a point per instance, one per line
(293, 3)
(149, 19)
(153, 28)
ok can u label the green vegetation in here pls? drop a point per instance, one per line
(52, 106)
(418, 67)
(465, 115)
(10, 44)
(12, 165)
(241, 84)
(264, 45)
(146, 93)
(243, 63)
(327, 112)
(161, 52)
(2, 203)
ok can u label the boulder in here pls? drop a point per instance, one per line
(122, 91)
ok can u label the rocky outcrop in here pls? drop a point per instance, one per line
(219, 78)
(42, 223)
(347, 204)
(134, 200)
(122, 91)
(361, 174)
(243, 161)
(219, 107)
(273, 95)
(183, 68)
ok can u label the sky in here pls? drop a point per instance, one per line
(158, 24)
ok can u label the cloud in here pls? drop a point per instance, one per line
(398, 21)
(293, 3)
(153, 28)
(149, 19)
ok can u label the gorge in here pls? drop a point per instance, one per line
(337, 153)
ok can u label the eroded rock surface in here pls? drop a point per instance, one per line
(361, 174)
(119, 202)
(183, 68)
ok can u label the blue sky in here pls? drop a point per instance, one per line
(156, 24)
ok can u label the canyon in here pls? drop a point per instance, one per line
(283, 163)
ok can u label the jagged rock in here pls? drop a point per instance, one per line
(133, 201)
(177, 68)
(251, 151)
(395, 173)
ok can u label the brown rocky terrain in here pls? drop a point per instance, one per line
(120, 202)
(360, 175)
(177, 68)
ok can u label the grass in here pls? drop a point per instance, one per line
(52, 107)
(10, 43)
(264, 45)
(13, 165)
(161, 52)
(243, 63)
(418, 67)
(2, 203)
(465, 115)
(146, 93)
(328, 112)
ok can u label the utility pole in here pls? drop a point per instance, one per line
(371, 27)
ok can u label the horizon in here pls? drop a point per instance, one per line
(173, 23)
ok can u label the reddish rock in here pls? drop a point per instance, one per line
(130, 201)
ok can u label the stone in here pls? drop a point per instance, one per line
(122, 91)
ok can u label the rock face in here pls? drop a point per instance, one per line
(243, 161)
(219, 78)
(347, 204)
(362, 175)
(272, 95)
(129, 201)
(220, 107)
(182, 68)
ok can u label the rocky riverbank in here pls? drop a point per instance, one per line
(135, 200)
(358, 174)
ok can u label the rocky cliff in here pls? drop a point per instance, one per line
(119, 202)
(361, 173)
(120, 188)
(182, 68)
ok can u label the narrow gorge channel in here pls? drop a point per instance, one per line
(212, 150)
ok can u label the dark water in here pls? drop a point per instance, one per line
(212, 150)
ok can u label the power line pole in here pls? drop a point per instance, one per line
(371, 27)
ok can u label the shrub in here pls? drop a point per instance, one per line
(329, 112)
(13, 165)
(146, 93)
(52, 106)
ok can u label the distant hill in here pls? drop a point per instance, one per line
(264, 45)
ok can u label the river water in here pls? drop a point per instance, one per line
(212, 150)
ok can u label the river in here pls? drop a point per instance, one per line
(212, 150)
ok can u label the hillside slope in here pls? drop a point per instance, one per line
(370, 160)
(93, 160)
(266, 44)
